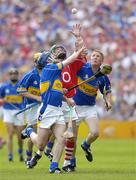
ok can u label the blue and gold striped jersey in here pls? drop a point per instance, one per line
(87, 92)
(13, 100)
(30, 83)
(51, 86)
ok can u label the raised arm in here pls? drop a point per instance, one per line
(73, 57)
(76, 32)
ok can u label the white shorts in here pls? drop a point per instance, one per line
(67, 113)
(31, 115)
(52, 115)
(87, 112)
(9, 117)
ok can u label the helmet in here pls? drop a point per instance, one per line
(13, 70)
(58, 52)
(41, 59)
(13, 74)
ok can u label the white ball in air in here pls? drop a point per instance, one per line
(74, 11)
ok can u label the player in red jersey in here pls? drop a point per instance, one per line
(69, 79)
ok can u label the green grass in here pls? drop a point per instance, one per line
(113, 160)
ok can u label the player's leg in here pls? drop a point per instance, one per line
(73, 159)
(93, 124)
(10, 133)
(58, 130)
(69, 113)
(9, 122)
(43, 133)
(40, 140)
(19, 124)
(20, 142)
(30, 145)
(49, 146)
(70, 145)
(31, 119)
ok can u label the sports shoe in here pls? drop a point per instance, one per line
(88, 153)
(73, 167)
(27, 160)
(30, 164)
(49, 156)
(55, 171)
(10, 159)
(68, 168)
(24, 133)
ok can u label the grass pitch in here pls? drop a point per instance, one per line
(113, 160)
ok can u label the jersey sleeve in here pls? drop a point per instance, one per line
(105, 85)
(24, 83)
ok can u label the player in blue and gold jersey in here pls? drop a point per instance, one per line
(12, 103)
(50, 112)
(85, 98)
(29, 88)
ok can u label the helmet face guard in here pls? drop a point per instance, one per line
(58, 52)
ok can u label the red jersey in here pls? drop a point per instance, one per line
(69, 75)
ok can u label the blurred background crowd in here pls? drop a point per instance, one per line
(27, 26)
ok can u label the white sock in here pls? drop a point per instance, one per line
(66, 163)
(39, 152)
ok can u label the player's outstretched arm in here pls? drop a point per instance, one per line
(73, 57)
(76, 32)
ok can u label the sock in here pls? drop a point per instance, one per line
(49, 147)
(73, 162)
(53, 165)
(39, 152)
(28, 155)
(69, 148)
(20, 151)
(85, 144)
(10, 156)
(29, 131)
(37, 156)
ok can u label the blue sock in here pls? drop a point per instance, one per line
(53, 165)
(29, 131)
(28, 154)
(86, 145)
(73, 162)
(49, 147)
(20, 151)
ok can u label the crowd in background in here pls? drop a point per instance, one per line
(28, 26)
